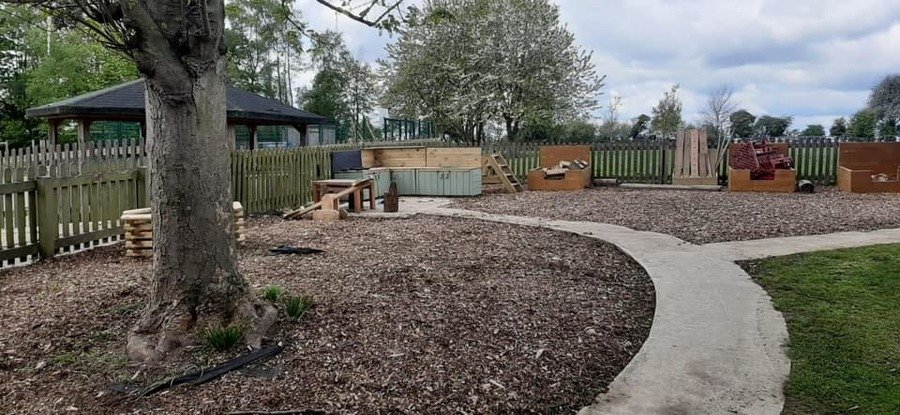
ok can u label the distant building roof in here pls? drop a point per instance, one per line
(126, 102)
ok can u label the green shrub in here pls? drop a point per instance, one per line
(272, 293)
(296, 306)
(222, 338)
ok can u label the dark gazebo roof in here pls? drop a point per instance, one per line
(126, 102)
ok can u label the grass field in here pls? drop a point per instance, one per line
(843, 314)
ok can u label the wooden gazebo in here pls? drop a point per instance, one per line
(125, 102)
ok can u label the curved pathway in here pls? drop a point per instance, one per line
(716, 344)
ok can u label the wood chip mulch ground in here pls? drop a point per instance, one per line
(426, 315)
(704, 217)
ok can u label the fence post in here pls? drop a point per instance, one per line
(663, 174)
(47, 215)
(143, 187)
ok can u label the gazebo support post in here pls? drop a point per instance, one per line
(232, 137)
(84, 130)
(252, 139)
(53, 130)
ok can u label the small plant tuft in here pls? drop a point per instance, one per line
(296, 306)
(272, 293)
(222, 338)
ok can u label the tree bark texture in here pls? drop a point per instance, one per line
(195, 281)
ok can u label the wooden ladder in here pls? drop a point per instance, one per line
(506, 175)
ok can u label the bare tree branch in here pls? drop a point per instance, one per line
(361, 16)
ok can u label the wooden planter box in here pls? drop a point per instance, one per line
(785, 180)
(739, 181)
(574, 179)
(858, 162)
(139, 230)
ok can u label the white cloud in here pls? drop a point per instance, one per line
(813, 59)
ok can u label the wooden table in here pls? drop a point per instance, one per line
(352, 188)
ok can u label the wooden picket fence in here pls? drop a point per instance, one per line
(652, 161)
(64, 198)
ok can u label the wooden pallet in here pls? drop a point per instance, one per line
(694, 165)
(501, 170)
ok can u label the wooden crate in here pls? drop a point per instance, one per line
(138, 226)
(858, 162)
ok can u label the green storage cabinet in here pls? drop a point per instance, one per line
(406, 181)
(448, 182)
(462, 182)
(429, 182)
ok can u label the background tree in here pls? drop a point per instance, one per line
(813, 130)
(179, 48)
(742, 122)
(466, 63)
(838, 128)
(769, 126)
(44, 63)
(264, 47)
(885, 98)
(611, 129)
(720, 104)
(640, 128)
(344, 89)
(888, 129)
(666, 119)
(863, 125)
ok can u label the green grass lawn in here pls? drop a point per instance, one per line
(843, 314)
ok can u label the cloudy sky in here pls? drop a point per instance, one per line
(815, 60)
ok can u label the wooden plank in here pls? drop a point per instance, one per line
(88, 237)
(695, 154)
(21, 212)
(17, 187)
(12, 254)
(453, 157)
(703, 148)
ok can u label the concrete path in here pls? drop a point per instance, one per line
(716, 344)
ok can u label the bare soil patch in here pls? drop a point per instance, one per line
(427, 315)
(704, 217)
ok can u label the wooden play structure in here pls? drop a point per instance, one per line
(562, 168)
(497, 171)
(694, 164)
(138, 224)
(869, 167)
(761, 167)
(328, 195)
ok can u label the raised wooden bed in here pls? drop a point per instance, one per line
(573, 180)
(859, 162)
(785, 181)
(139, 230)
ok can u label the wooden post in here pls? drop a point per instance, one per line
(252, 139)
(53, 131)
(47, 215)
(84, 131)
(232, 137)
(143, 187)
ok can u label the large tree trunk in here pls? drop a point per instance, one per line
(195, 281)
